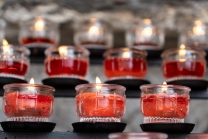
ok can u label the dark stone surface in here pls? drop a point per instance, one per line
(67, 135)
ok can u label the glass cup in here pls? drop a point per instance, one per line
(100, 102)
(28, 102)
(138, 135)
(197, 136)
(183, 63)
(164, 103)
(2, 30)
(93, 33)
(145, 35)
(124, 63)
(195, 35)
(71, 62)
(14, 61)
(38, 32)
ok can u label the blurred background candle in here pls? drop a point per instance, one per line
(38, 32)
(145, 35)
(67, 61)
(93, 33)
(164, 103)
(123, 63)
(183, 63)
(98, 102)
(195, 35)
(28, 102)
(14, 60)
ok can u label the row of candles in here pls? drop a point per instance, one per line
(95, 33)
(119, 63)
(97, 102)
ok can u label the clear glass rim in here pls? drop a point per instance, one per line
(148, 86)
(189, 49)
(195, 136)
(124, 49)
(25, 50)
(19, 85)
(75, 48)
(32, 20)
(92, 85)
(138, 134)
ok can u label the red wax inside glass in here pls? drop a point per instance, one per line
(164, 106)
(115, 67)
(91, 104)
(37, 40)
(187, 68)
(28, 105)
(66, 66)
(13, 67)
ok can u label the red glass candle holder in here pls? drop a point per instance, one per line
(125, 63)
(145, 35)
(67, 61)
(14, 61)
(100, 102)
(28, 102)
(183, 63)
(164, 103)
(93, 33)
(38, 32)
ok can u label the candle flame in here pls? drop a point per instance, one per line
(62, 50)
(97, 80)
(5, 47)
(147, 31)
(5, 42)
(182, 53)
(39, 24)
(32, 81)
(147, 21)
(198, 29)
(94, 30)
(93, 19)
(126, 54)
(164, 87)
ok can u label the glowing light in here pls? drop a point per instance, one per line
(93, 30)
(147, 21)
(97, 80)
(32, 81)
(164, 87)
(147, 32)
(198, 29)
(182, 53)
(39, 24)
(63, 50)
(126, 54)
(5, 42)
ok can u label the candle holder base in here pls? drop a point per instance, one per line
(194, 84)
(198, 87)
(13, 126)
(64, 86)
(132, 86)
(99, 127)
(168, 127)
